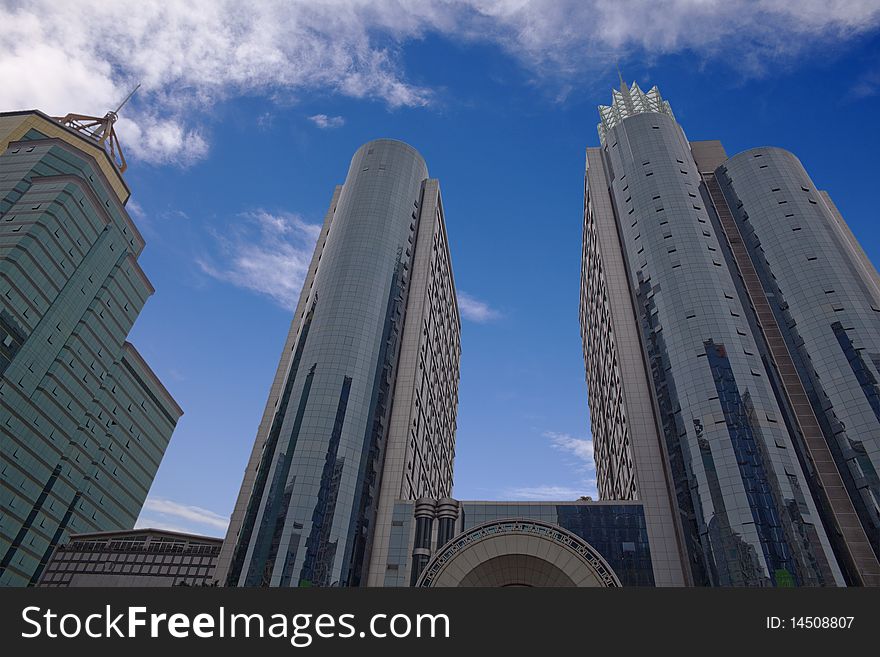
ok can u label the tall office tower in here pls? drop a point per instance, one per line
(732, 348)
(84, 422)
(362, 408)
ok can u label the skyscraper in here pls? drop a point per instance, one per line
(84, 422)
(362, 409)
(732, 347)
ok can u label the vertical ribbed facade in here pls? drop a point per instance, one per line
(84, 421)
(336, 429)
(743, 505)
(629, 454)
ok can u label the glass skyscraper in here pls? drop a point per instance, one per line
(84, 422)
(731, 330)
(362, 409)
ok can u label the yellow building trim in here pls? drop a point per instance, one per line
(15, 126)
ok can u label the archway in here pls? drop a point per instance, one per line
(517, 552)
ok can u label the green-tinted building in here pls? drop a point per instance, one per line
(84, 422)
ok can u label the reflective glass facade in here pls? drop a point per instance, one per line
(823, 295)
(365, 395)
(733, 431)
(84, 421)
(616, 531)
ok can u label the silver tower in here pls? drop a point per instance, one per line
(362, 409)
(730, 331)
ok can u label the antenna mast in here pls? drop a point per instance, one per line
(101, 130)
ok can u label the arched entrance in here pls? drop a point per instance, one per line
(517, 553)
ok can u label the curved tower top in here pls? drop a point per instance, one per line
(388, 142)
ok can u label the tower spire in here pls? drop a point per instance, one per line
(629, 101)
(101, 130)
(127, 98)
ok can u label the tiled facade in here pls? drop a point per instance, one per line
(519, 544)
(630, 457)
(365, 395)
(657, 259)
(421, 439)
(139, 557)
(84, 421)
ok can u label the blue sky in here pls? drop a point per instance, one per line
(245, 124)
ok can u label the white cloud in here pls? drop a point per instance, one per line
(323, 121)
(148, 522)
(85, 56)
(162, 141)
(550, 493)
(190, 54)
(264, 252)
(564, 37)
(135, 209)
(175, 516)
(475, 310)
(580, 448)
(867, 85)
(580, 453)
